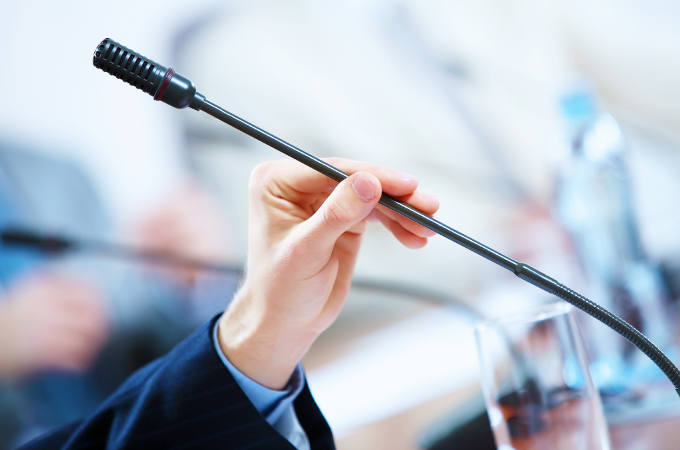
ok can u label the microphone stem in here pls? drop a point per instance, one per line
(338, 175)
(521, 270)
(160, 257)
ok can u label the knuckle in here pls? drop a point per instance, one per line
(336, 213)
(348, 166)
(260, 175)
(262, 179)
(335, 160)
(358, 229)
(292, 252)
(340, 163)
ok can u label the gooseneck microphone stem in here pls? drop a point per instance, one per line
(522, 270)
(171, 88)
(58, 245)
(338, 175)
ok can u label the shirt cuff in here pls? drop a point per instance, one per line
(270, 403)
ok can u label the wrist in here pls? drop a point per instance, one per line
(263, 348)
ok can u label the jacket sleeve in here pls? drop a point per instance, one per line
(186, 399)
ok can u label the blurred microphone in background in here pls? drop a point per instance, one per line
(74, 325)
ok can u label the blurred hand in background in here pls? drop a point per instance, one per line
(50, 322)
(188, 223)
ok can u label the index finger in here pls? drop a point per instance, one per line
(298, 177)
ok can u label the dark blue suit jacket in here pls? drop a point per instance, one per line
(186, 399)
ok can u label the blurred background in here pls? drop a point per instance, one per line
(549, 130)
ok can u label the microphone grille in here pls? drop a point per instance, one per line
(129, 66)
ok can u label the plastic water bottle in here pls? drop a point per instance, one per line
(595, 205)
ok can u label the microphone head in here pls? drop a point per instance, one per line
(143, 73)
(129, 66)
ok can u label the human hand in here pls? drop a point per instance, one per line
(305, 231)
(50, 322)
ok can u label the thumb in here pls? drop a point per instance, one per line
(349, 203)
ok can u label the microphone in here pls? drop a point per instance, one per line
(48, 244)
(56, 245)
(162, 83)
(165, 85)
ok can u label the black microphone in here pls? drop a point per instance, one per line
(24, 238)
(57, 245)
(160, 82)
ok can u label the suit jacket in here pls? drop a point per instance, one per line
(186, 399)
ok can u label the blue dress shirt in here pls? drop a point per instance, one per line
(275, 406)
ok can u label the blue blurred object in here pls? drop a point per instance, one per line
(595, 203)
(13, 262)
(150, 311)
(45, 192)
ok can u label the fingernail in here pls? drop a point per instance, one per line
(364, 187)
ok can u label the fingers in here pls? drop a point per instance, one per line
(347, 206)
(77, 301)
(422, 201)
(296, 177)
(66, 341)
(188, 224)
(69, 351)
(407, 238)
(70, 324)
(393, 182)
(419, 200)
(293, 181)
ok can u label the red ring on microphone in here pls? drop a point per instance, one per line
(164, 86)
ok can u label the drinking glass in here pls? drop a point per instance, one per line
(536, 384)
